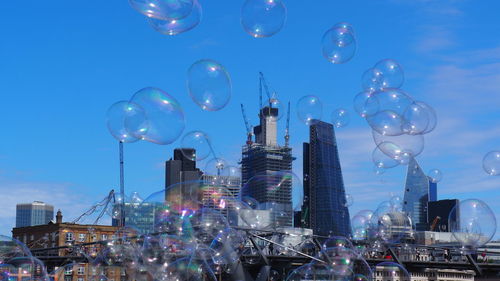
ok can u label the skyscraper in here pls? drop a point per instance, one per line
(417, 195)
(31, 214)
(324, 208)
(432, 191)
(182, 168)
(263, 158)
(442, 215)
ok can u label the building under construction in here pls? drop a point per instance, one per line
(264, 160)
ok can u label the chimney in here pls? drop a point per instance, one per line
(59, 217)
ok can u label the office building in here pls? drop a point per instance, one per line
(439, 218)
(220, 192)
(265, 158)
(416, 196)
(324, 208)
(432, 191)
(36, 213)
(139, 215)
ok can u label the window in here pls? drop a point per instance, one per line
(68, 271)
(81, 270)
(80, 279)
(32, 237)
(94, 237)
(81, 237)
(69, 236)
(104, 237)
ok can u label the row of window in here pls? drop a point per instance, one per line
(82, 237)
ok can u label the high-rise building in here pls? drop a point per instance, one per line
(263, 158)
(417, 195)
(440, 215)
(182, 168)
(324, 208)
(220, 192)
(31, 214)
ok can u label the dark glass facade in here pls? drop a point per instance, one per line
(31, 214)
(324, 207)
(416, 198)
(432, 191)
(441, 218)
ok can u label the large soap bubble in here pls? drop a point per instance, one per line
(382, 160)
(401, 148)
(472, 223)
(263, 18)
(392, 73)
(163, 9)
(372, 80)
(176, 26)
(309, 109)
(391, 99)
(209, 85)
(165, 115)
(386, 123)
(431, 113)
(200, 142)
(123, 112)
(394, 271)
(416, 119)
(338, 45)
(491, 163)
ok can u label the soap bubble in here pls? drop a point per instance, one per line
(361, 105)
(177, 26)
(311, 272)
(416, 119)
(200, 142)
(386, 123)
(435, 175)
(401, 148)
(378, 170)
(165, 116)
(340, 118)
(209, 85)
(491, 163)
(344, 25)
(392, 73)
(338, 45)
(163, 9)
(263, 18)
(394, 100)
(472, 223)
(382, 160)
(121, 112)
(394, 271)
(372, 80)
(309, 109)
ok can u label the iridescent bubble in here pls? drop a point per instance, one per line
(337, 241)
(344, 25)
(382, 160)
(416, 119)
(394, 271)
(338, 45)
(165, 116)
(397, 202)
(176, 26)
(163, 9)
(263, 18)
(491, 163)
(311, 271)
(378, 170)
(372, 80)
(200, 142)
(435, 175)
(349, 200)
(361, 105)
(400, 148)
(394, 100)
(386, 123)
(340, 118)
(121, 112)
(392, 73)
(473, 223)
(209, 85)
(340, 259)
(309, 109)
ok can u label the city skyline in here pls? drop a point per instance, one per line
(56, 117)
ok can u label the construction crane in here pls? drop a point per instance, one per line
(435, 222)
(287, 129)
(247, 125)
(263, 84)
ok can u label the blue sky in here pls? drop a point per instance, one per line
(64, 62)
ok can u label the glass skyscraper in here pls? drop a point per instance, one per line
(324, 208)
(31, 214)
(417, 195)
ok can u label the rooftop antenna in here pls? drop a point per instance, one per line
(287, 130)
(122, 188)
